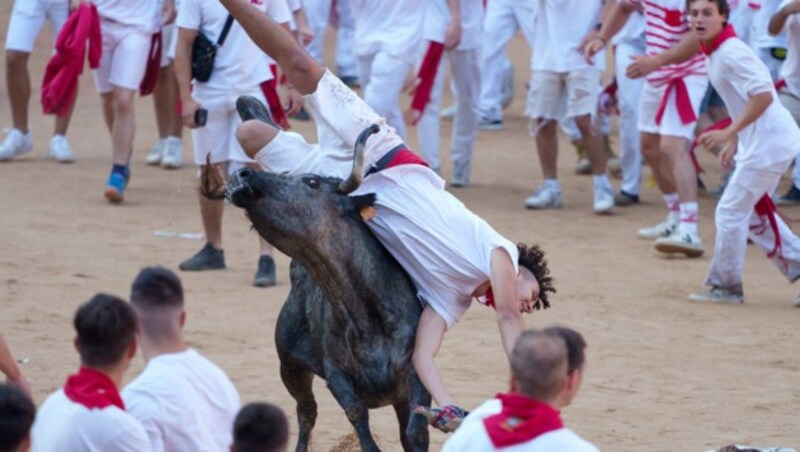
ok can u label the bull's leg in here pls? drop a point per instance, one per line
(403, 411)
(416, 432)
(298, 381)
(342, 388)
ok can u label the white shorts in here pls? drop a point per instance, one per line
(550, 92)
(340, 116)
(169, 38)
(124, 60)
(218, 137)
(28, 18)
(671, 124)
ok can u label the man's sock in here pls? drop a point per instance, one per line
(689, 217)
(673, 207)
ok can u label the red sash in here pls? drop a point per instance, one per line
(425, 79)
(93, 389)
(521, 420)
(150, 79)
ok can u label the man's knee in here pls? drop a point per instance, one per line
(16, 61)
(254, 135)
(123, 100)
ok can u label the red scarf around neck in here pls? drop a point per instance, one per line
(93, 389)
(727, 33)
(521, 420)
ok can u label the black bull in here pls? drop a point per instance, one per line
(352, 313)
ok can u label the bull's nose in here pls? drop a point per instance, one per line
(245, 173)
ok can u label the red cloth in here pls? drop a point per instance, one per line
(765, 208)
(274, 104)
(719, 125)
(521, 420)
(150, 79)
(406, 157)
(727, 33)
(682, 102)
(60, 83)
(780, 83)
(425, 79)
(93, 389)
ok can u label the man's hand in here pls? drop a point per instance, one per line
(726, 155)
(714, 138)
(168, 12)
(591, 46)
(189, 108)
(304, 35)
(642, 66)
(453, 36)
(21, 382)
(294, 102)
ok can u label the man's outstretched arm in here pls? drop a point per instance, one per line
(302, 71)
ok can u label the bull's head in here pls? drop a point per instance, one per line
(292, 210)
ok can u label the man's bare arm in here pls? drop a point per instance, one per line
(687, 48)
(504, 287)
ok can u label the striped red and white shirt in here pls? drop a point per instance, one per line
(666, 23)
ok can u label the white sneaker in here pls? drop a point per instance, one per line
(730, 295)
(157, 152)
(461, 171)
(544, 198)
(681, 242)
(448, 112)
(658, 231)
(173, 153)
(60, 150)
(490, 124)
(507, 89)
(16, 143)
(603, 200)
(797, 302)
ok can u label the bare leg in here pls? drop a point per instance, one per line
(302, 71)
(683, 170)
(124, 125)
(62, 122)
(108, 110)
(593, 143)
(660, 164)
(165, 98)
(253, 135)
(211, 212)
(19, 87)
(547, 145)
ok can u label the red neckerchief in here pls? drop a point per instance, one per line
(93, 389)
(490, 298)
(521, 420)
(727, 33)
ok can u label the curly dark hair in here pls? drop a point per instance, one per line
(722, 6)
(532, 258)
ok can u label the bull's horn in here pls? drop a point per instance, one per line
(212, 181)
(351, 183)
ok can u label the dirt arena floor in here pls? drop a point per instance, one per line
(663, 375)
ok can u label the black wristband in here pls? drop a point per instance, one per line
(598, 26)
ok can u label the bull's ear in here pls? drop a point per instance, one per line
(362, 201)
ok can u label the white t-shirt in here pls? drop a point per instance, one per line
(741, 17)
(738, 74)
(759, 32)
(240, 64)
(471, 436)
(390, 26)
(142, 14)
(437, 19)
(633, 31)
(185, 403)
(790, 70)
(560, 27)
(445, 248)
(63, 425)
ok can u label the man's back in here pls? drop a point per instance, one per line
(184, 401)
(62, 424)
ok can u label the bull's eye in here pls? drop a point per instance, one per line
(313, 182)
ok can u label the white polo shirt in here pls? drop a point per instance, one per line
(142, 14)
(738, 74)
(64, 425)
(560, 27)
(185, 403)
(790, 70)
(390, 26)
(471, 436)
(444, 247)
(437, 20)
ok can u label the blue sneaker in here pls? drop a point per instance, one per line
(115, 188)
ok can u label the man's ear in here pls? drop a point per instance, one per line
(512, 385)
(131, 350)
(182, 320)
(76, 344)
(26, 444)
(572, 379)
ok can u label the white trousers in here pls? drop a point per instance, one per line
(318, 13)
(628, 92)
(736, 221)
(345, 57)
(381, 76)
(466, 78)
(501, 20)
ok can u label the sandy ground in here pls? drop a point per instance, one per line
(663, 374)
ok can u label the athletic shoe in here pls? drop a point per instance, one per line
(797, 302)
(446, 419)
(625, 199)
(716, 294)
(544, 198)
(157, 152)
(208, 258)
(115, 187)
(603, 200)
(448, 112)
(173, 153)
(790, 197)
(250, 107)
(461, 171)
(60, 150)
(490, 124)
(681, 242)
(16, 143)
(658, 231)
(265, 274)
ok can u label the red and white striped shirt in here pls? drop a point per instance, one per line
(665, 26)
